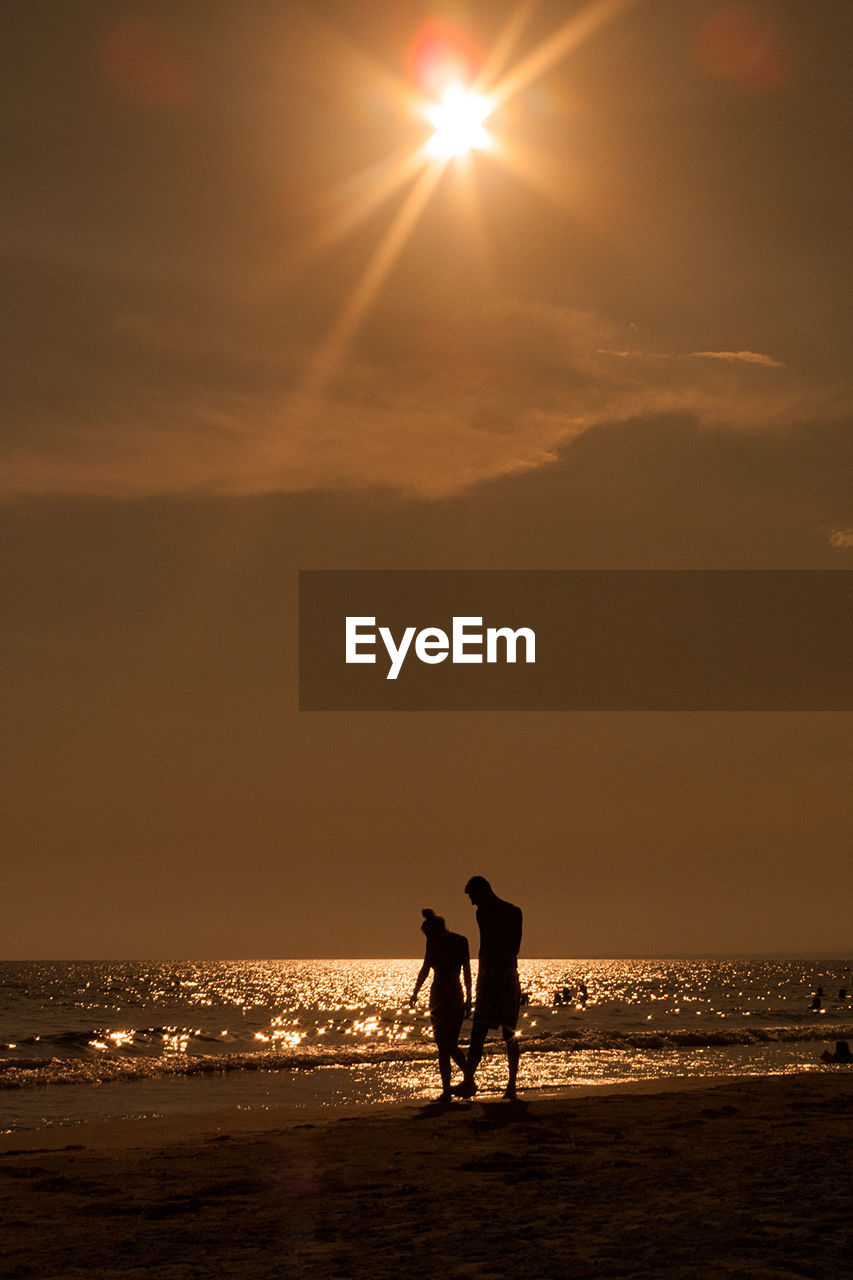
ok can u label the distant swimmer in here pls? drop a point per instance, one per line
(498, 992)
(447, 956)
(817, 999)
(842, 1055)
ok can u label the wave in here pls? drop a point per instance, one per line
(27, 1072)
(589, 1038)
(140, 1039)
(115, 1065)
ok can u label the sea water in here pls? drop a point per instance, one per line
(92, 1041)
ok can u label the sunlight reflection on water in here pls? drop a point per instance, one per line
(261, 1033)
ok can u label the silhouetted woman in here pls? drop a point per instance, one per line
(447, 956)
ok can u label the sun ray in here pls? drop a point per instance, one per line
(537, 169)
(503, 47)
(376, 186)
(374, 193)
(328, 357)
(473, 211)
(565, 40)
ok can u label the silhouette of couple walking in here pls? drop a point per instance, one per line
(498, 992)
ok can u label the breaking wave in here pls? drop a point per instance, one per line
(79, 1061)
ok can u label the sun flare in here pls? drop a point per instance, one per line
(457, 92)
(458, 122)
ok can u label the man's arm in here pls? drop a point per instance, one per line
(518, 921)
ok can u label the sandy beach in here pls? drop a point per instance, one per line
(740, 1179)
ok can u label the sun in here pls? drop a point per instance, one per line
(458, 122)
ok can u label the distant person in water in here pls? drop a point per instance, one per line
(447, 956)
(498, 991)
(842, 1055)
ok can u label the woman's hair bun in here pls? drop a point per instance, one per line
(431, 920)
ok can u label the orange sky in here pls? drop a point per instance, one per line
(625, 347)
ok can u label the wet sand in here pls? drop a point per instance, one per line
(743, 1179)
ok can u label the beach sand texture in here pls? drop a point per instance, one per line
(747, 1179)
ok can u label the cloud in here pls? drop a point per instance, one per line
(748, 357)
(168, 396)
(841, 538)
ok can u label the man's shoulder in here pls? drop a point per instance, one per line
(497, 907)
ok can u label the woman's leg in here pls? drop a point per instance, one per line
(459, 1058)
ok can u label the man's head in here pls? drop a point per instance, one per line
(478, 889)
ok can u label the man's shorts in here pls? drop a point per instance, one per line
(498, 996)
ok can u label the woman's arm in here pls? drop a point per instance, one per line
(421, 979)
(466, 976)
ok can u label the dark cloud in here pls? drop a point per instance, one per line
(129, 390)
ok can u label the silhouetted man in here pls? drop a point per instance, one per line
(498, 992)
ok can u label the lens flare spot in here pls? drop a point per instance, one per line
(746, 47)
(441, 54)
(147, 66)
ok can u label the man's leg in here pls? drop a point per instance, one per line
(479, 1031)
(444, 1071)
(513, 1053)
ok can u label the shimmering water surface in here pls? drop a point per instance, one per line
(85, 1041)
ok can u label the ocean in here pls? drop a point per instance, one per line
(81, 1042)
